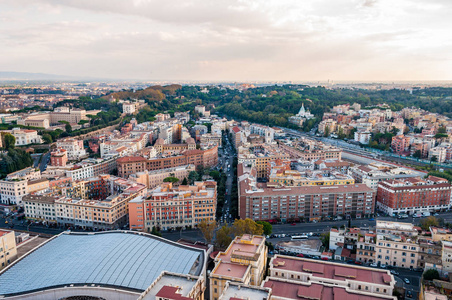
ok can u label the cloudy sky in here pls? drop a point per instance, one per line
(218, 40)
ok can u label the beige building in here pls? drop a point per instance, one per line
(40, 208)
(8, 250)
(244, 262)
(12, 191)
(37, 185)
(397, 244)
(73, 116)
(174, 207)
(441, 234)
(365, 248)
(446, 256)
(152, 179)
(25, 136)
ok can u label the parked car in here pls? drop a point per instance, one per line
(371, 219)
(357, 262)
(374, 265)
(300, 255)
(409, 294)
(293, 224)
(383, 266)
(407, 281)
(394, 272)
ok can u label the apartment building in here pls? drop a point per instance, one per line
(169, 207)
(446, 257)
(400, 144)
(291, 178)
(75, 149)
(430, 254)
(59, 158)
(12, 191)
(300, 278)
(129, 107)
(412, 195)
(133, 164)
(210, 138)
(243, 262)
(152, 179)
(259, 202)
(396, 244)
(41, 208)
(8, 250)
(374, 173)
(365, 248)
(90, 167)
(100, 203)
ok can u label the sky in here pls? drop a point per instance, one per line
(235, 40)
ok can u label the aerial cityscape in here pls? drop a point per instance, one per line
(226, 150)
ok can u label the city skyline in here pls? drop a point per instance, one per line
(366, 40)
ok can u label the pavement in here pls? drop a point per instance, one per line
(44, 161)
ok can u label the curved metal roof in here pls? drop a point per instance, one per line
(122, 259)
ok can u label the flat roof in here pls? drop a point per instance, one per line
(292, 290)
(122, 259)
(234, 291)
(183, 284)
(331, 270)
(228, 269)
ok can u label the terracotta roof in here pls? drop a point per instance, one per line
(171, 292)
(330, 270)
(236, 129)
(127, 159)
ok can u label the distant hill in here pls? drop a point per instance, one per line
(20, 76)
(152, 93)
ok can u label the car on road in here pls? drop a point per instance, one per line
(383, 266)
(407, 281)
(435, 214)
(409, 294)
(371, 219)
(394, 272)
(374, 265)
(357, 262)
(300, 255)
(293, 224)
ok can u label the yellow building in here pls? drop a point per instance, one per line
(37, 185)
(244, 261)
(8, 250)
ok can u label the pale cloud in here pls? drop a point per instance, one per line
(229, 40)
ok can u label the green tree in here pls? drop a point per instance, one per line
(327, 131)
(68, 128)
(431, 274)
(417, 154)
(9, 141)
(223, 237)
(155, 231)
(171, 179)
(325, 238)
(442, 129)
(47, 138)
(208, 230)
(426, 223)
(247, 226)
(184, 181)
(268, 228)
(192, 177)
(434, 158)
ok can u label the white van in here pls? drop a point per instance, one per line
(426, 214)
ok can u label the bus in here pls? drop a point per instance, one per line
(300, 237)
